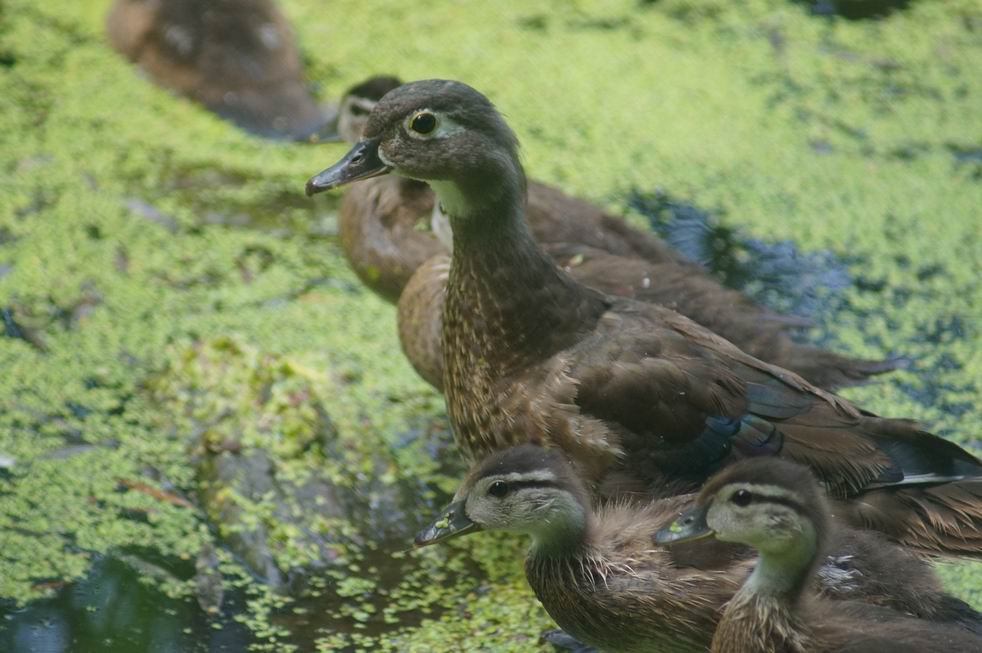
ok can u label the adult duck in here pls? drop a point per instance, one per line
(629, 390)
(390, 235)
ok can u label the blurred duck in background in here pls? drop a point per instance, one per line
(238, 58)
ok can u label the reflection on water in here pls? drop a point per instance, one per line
(112, 611)
(116, 609)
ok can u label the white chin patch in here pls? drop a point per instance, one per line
(440, 225)
(451, 199)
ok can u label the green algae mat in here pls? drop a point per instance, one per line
(208, 437)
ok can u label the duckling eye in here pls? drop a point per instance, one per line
(358, 110)
(498, 489)
(741, 498)
(423, 123)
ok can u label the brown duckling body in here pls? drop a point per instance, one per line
(777, 508)
(602, 578)
(387, 235)
(237, 57)
(626, 387)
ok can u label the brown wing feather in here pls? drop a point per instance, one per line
(688, 288)
(662, 378)
(940, 519)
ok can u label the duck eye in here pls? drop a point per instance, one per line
(423, 123)
(741, 498)
(498, 489)
(358, 110)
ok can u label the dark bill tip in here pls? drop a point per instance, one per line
(361, 162)
(691, 525)
(453, 522)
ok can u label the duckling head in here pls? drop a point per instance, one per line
(524, 489)
(772, 505)
(769, 504)
(438, 131)
(357, 104)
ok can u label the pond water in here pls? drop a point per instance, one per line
(115, 610)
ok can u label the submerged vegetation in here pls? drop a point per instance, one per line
(198, 394)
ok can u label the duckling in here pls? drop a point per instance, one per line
(625, 387)
(600, 576)
(777, 508)
(390, 227)
(239, 58)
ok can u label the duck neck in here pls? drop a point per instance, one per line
(782, 573)
(563, 536)
(505, 295)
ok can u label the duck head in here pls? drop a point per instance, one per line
(357, 104)
(438, 131)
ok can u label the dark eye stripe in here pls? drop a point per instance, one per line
(788, 502)
(522, 484)
(517, 485)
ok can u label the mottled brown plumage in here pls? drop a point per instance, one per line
(761, 624)
(622, 386)
(602, 578)
(386, 235)
(777, 508)
(237, 57)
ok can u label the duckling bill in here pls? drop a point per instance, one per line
(454, 523)
(689, 527)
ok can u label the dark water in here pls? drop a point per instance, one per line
(779, 274)
(855, 9)
(114, 611)
(119, 608)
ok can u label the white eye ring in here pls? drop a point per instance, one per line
(422, 124)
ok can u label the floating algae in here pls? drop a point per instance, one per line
(139, 233)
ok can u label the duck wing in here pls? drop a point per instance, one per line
(690, 290)
(684, 401)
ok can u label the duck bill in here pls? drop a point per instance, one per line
(691, 525)
(453, 522)
(362, 162)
